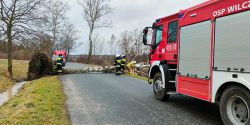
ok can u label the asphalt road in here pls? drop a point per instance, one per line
(106, 99)
(75, 65)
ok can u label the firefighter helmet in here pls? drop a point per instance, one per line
(133, 62)
(117, 55)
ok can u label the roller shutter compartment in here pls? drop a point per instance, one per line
(232, 42)
(195, 50)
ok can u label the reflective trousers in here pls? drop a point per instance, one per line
(122, 68)
(129, 69)
(118, 69)
(59, 68)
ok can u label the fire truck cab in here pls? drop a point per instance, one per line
(204, 52)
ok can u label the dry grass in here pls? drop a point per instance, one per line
(5, 83)
(40, 102)
(20, 69)
(138, 77)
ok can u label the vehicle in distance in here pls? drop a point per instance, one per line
(56, 55)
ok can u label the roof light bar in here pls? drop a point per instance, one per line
(158, 20)
(180, 16)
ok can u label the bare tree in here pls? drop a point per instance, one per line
(68, 39)
(113, 44)
(93, 11)
(131, 45)
(137, 40)
(95, 42)
(18, 19)
(98, 44)
(55, 18)
(126, 42)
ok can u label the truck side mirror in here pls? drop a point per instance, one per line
(145, 39)
(153, 26)
(145, 34)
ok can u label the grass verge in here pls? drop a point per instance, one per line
(20, 69)
(38, 102)
(138, 77)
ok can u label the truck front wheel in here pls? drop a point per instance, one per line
(159, 92)
(234, 106)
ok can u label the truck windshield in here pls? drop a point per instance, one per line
(158, 34)
(55, 57)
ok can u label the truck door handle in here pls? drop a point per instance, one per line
(159, 55)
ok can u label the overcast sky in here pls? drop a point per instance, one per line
(128, 15)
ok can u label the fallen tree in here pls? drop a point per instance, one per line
(140, 69)
(39, 66)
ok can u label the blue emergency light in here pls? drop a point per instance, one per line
(158, 20)
(180, 16)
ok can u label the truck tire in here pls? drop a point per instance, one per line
(234, 106)
(159, 92)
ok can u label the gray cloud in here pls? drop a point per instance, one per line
(127, 16)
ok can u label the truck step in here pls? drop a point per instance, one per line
(172, 81)
(172, 69)
(173, 93)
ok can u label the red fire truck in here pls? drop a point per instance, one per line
(204, 52)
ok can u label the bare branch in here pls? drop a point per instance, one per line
(18, 19)
(93, 11)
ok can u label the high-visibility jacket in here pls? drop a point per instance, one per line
(130, 64)
(123, 61)
(117, 62)
(59, 61)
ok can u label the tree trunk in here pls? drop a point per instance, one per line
(4, 46)
(9, 49)
(67, 55)
(53, 48)
(90, 46)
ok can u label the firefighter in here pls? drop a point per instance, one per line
(59, 64)
(123, 63)
(131, 66)
(118, 64)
